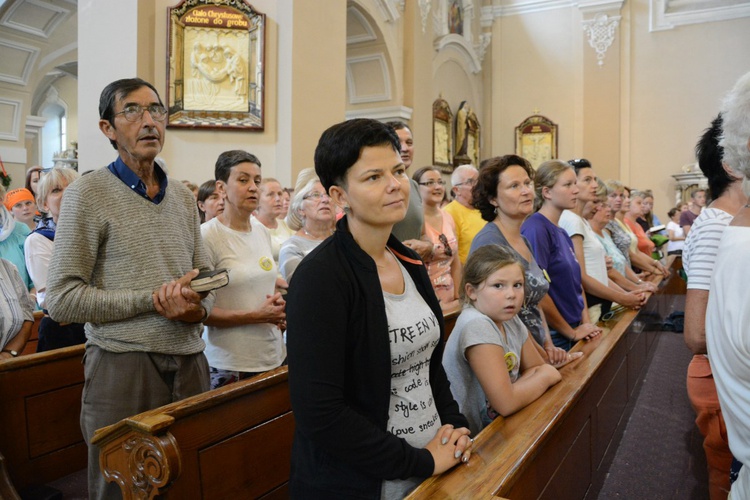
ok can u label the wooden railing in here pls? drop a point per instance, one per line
(557, 447)
(232, 442)
(40, 400)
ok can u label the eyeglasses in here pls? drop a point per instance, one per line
(315, 196)
(468, 182)
(439, 182)
(444, 241)
(134, 112)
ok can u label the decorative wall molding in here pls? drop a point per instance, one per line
(10, 118)
(600, 33)
(596, 6)
(14, 155)
(516, 8)
(519, 8)
(424, 11)
(390, 9)
(33, 125)
(368, 36)
(71, 47)
(668, 14)
(355, 96)
(20, 52)
(384, 114)
(481, 46)
(34, 17)
(460, 43)
(472, 50)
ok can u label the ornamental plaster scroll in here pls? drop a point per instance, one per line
(600, 32)
(424, 11)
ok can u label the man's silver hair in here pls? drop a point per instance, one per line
(735, 112)
(458, 175)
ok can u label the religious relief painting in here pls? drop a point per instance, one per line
(216, 59)
(442, 135)
(536, 140)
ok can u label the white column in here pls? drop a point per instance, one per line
(107, 51)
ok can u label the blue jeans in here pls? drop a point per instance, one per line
(561, 340)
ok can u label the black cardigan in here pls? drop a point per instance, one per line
(340, 373)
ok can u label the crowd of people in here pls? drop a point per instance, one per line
(346, 278)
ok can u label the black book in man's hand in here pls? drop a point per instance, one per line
(210, 280)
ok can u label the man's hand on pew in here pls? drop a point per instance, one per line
(177, 301)
(449, 447)
(586, 331)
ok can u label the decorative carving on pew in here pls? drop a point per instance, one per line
(152, 462)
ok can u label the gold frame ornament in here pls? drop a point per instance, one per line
(442, 135)
(536, 139)
(215, 65)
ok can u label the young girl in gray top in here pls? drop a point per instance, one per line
(492, 369)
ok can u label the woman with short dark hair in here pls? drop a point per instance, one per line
(373, 410)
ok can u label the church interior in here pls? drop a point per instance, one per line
(629, 85)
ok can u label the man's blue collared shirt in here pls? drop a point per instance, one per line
(135, 183)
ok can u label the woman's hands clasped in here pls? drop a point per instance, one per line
(449, 447)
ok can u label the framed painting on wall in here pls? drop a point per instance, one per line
(442, 135)
(536, 140)
(215, 66)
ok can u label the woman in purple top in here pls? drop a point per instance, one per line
(564, 306)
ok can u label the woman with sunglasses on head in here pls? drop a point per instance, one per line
(504, 195)
(373, 410)
(443, 265)
(311, 213)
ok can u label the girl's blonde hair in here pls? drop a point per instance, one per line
(546, 176)
(483, 262)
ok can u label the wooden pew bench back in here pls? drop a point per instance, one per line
(40, 435)
(232, 442)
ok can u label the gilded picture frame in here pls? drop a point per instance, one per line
(215, 65)
(442, 135)
(536, 139)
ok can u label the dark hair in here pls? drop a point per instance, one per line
(397, 125)
(579, 164)
(204, 191)
(341, 145)
(672, 211)
(118, 90)
(229, 159)
(419, 173)
(709, 155)
(489, 177)
(29, 172)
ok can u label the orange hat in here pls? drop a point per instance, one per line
(17, 195)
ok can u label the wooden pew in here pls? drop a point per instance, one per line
(232, 442)
(40, 435)
(561, 446)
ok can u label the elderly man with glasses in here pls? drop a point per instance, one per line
(126, 248)
(467, 218)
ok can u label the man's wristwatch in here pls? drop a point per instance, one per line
(11, 352)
